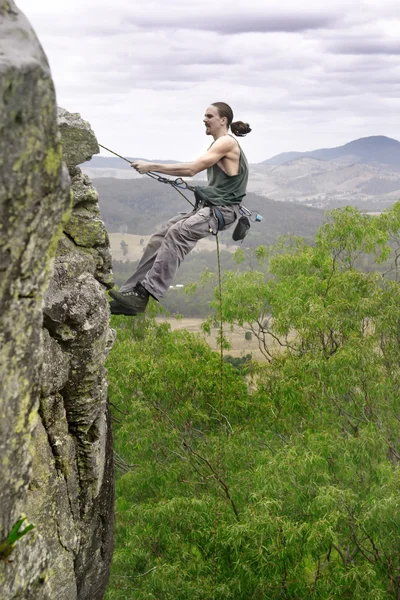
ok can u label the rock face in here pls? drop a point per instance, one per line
(79, 142)
(56, 463)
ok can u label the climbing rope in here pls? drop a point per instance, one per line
(178, 183)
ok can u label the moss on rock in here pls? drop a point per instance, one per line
(86, 230)
(78, 140)
(55, 431)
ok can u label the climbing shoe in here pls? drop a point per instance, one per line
(134, 301)
(117, 309)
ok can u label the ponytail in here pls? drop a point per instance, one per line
(240, 129)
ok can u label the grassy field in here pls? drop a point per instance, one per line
(135, 248)
(239, 345)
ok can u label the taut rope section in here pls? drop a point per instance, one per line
(176, 183)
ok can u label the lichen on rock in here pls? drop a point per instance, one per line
(55, 266)
(79, 141)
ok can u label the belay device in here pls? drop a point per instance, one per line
(243, 224)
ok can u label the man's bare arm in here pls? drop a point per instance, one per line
(218, 150)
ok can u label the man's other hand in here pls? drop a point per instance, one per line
(141, 166)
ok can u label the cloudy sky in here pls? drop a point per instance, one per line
(304, 75)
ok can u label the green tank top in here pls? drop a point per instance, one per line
(223, 189)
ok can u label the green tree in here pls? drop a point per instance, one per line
(286, 486)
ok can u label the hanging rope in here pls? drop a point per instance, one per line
(217, 514)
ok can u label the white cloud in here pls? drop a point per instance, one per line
(303, 76)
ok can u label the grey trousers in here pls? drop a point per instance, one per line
(168, 247)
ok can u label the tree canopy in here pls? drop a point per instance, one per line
(290, 488)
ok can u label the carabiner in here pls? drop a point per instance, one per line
(180, 183)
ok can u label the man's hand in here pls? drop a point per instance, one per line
(141, 166)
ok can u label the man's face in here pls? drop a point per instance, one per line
(212, 120)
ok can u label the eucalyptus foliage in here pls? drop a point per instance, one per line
(287, 487)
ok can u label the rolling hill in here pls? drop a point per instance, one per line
(373, 149)
(328, 184)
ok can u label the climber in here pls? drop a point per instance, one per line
(216, 209)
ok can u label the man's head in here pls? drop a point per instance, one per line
(216, 123)
(218, 119)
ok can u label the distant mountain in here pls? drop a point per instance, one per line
(328, 184)
(373, 149)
